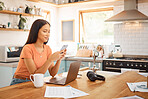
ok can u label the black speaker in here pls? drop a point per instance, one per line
(92, 76)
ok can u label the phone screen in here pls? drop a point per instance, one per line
(64, 47)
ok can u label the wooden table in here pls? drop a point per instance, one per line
(114, 87)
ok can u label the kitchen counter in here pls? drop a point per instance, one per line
(84, 59)
(67, 58)
(114, 87)
(115, 59)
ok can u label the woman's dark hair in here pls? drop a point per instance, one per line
(33, 34)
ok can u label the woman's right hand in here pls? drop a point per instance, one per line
(55, 56)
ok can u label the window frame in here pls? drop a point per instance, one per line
(90, 11)
(73, 32)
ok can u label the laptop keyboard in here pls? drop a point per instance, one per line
(61, 81)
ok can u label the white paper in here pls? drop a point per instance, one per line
(62, 92)
(131, 97)
(144, 74)
(77, 93)
(139, 86)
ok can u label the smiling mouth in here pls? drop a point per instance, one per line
(46, 38)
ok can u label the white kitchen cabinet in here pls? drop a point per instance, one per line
(6, 74)
(13, 70)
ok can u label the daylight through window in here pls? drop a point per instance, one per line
(93, 29)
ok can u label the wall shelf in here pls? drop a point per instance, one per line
(114, 2)
(77, 3)
(52, 4)
(17, 13)
(11, 29)
(66, 4)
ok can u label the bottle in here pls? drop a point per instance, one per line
(69, 1)
(76, 1)
(57, 1)
(78, 46)
(110, 54)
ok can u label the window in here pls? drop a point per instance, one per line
(93, 29)
(68, 30)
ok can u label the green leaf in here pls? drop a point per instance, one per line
(1, 8)
(2, 4)
(20, 15)
(23, 19)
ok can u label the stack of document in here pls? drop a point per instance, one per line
(63, 92)
(139, 86)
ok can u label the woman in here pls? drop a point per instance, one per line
(36, 56)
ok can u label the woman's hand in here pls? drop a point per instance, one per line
(63, 53)
(55, 56)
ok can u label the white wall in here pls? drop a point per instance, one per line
(20, 37)
(72, 13)
(132, 37)
(57, 14)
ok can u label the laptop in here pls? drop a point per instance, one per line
(72, 75)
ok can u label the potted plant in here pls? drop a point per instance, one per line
(28, 9)
(22, 22)
(2, 5)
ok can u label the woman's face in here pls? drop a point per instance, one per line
(44, 33)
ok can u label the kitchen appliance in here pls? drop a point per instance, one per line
(117, 51)
(130, 13)
(10, 53)
(115, 64)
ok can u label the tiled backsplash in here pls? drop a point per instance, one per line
(133, 37)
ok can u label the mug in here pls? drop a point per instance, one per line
(38, 79)
(19, 10)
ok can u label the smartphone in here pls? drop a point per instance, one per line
(64, 47)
